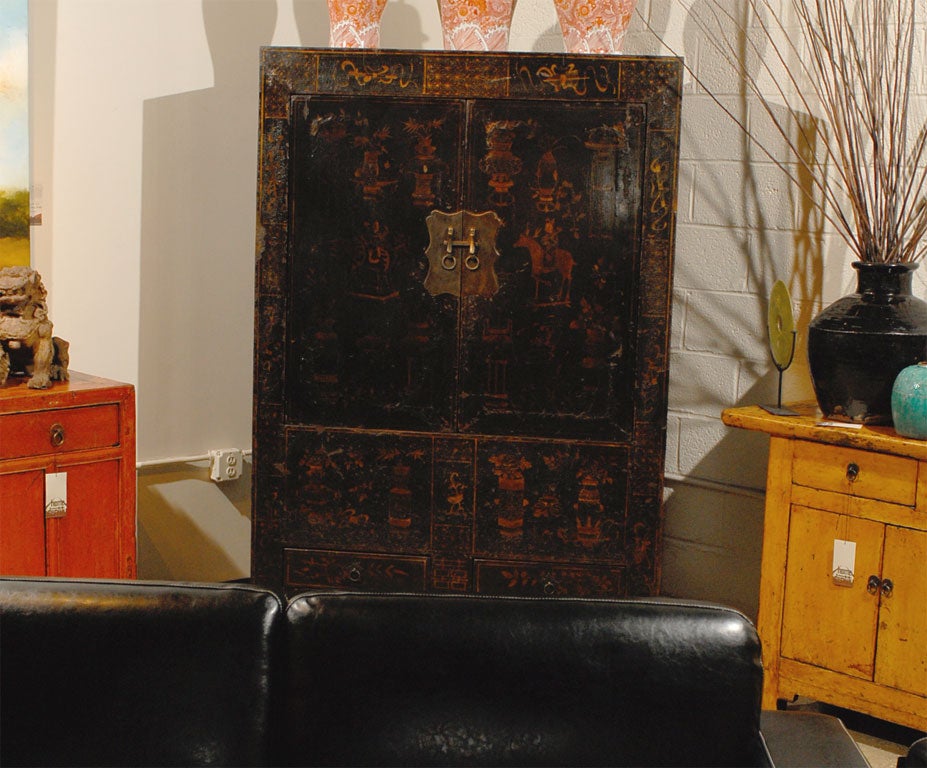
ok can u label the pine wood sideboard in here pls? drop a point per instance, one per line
(80, 433)
(843, 591)
(463, 288)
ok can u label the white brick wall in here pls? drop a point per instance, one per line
(740, 228)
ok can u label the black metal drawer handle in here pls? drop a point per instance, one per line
(852, 471)
(875, 585)
(354, 574)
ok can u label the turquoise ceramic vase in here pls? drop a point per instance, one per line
(909, 402)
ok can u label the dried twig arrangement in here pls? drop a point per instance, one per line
(855, 67)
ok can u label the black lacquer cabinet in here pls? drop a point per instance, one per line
(463, 289)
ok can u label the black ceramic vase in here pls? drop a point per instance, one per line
(859, 344)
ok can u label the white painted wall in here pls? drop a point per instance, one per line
(144, 161)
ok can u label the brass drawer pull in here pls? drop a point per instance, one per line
(56, 435)
(852, 471)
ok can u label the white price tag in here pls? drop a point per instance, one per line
(844, 564)
(56, 494)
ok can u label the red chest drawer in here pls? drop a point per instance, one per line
(66, 429)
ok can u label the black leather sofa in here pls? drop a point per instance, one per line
(916, 757)
(143, 673)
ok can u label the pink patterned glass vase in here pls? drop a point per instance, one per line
(594, 26)
(476, 25)
(355, 23)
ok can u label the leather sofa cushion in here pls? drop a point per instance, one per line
(391, 679)
(124, 673)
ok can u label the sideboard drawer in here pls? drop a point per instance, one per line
(314, 568)
(502, 577)
(35, 433)
(856, 473)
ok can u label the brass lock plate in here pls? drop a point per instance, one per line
(462, 253)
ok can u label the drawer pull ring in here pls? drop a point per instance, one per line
(887, 587)
(354, 575)
(852, 471)
(56, 435)
(550, 587)
(873, 585)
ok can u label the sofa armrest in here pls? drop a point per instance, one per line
(801, 739)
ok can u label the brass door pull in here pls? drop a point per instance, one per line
(449, 233)
(56, 435)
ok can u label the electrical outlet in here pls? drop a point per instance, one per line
(225, 464)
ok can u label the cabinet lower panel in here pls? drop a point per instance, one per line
(416, 511)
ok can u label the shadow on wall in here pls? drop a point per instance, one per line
(764, 232)
(199, 168)
(192, 528)
(197, 244)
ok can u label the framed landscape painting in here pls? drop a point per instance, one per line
(14, 133)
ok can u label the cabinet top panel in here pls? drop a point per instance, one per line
(807, 426)
(655, 80)
(81, 389)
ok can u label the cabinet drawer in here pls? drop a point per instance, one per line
(853, 472)
(36, 433)
(311, 568)
(547, 579)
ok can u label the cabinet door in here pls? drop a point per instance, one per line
(823, 623)
(22, 523)
(369, 346)
(551, 352)
(86, 540)
(902, 658)
(546, 346)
